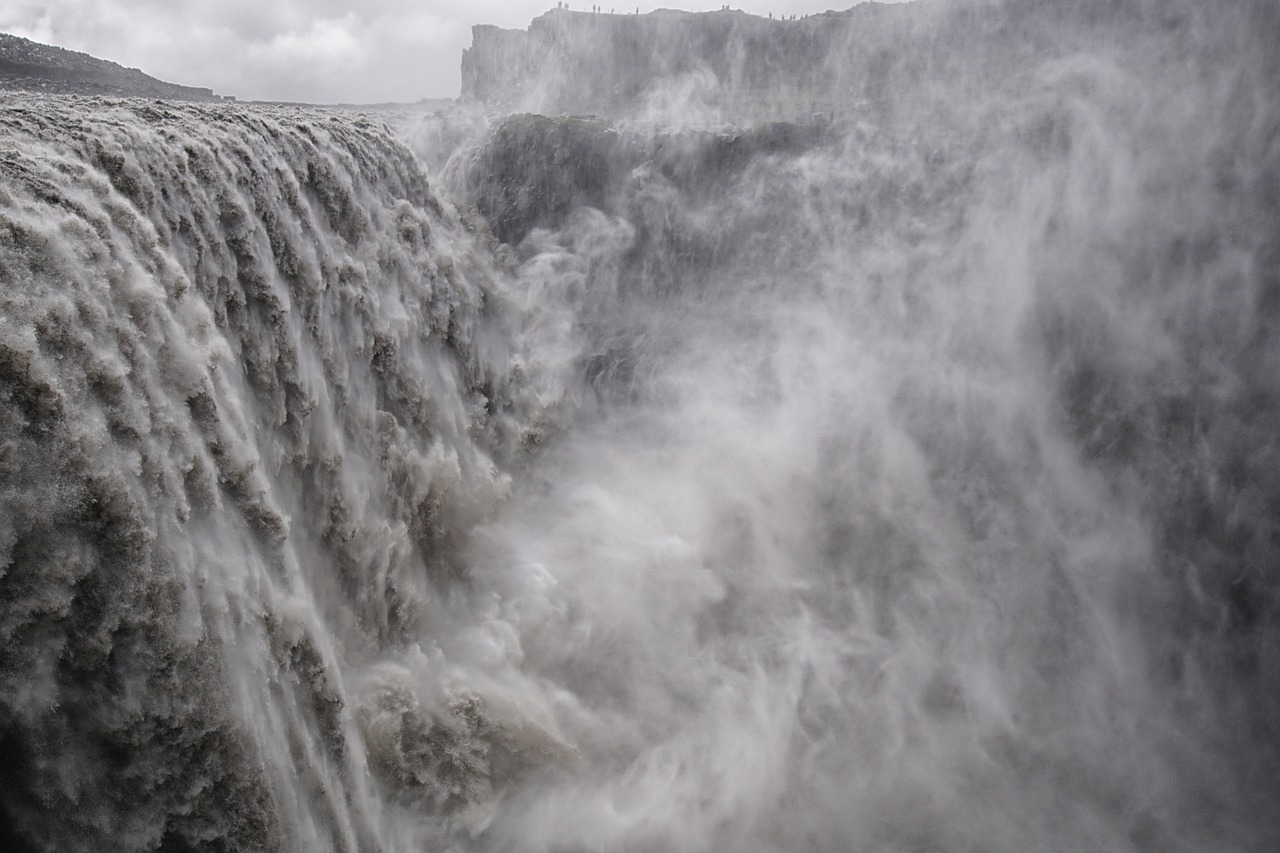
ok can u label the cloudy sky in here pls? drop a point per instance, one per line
(324, 51)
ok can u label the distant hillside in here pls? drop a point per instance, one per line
(31, 66)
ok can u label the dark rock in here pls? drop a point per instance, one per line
(535, 170)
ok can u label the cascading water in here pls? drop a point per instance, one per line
(904, 482)
(256, 379)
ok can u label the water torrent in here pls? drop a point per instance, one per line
(903, 480)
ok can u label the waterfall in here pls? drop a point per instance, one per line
(258, 384)
(899, 481)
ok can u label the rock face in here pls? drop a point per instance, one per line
(534, 170)
(745, 66)
(30, 66)
(632, 58)
(740, 67)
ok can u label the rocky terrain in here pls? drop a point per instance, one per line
(26, 65)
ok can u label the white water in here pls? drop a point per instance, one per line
(914, 491)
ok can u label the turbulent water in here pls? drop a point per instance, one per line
(905, 483)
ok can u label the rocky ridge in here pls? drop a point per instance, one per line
(26, 65)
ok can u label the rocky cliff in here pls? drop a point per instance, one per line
(735, 66)
(603, 63)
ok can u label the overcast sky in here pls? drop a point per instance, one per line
(323, 51)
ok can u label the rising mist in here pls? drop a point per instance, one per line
(896, 475)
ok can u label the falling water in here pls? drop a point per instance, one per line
(900, 482)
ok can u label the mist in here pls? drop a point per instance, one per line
(889, 468)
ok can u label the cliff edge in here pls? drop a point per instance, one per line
(610, 64)
(746, 68)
